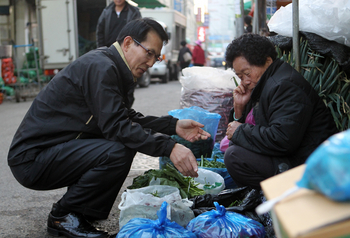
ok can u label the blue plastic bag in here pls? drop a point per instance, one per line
(217, 152)
(221, 224)
(210, 122)
(328, 168)
(208, 119)
(161, 228)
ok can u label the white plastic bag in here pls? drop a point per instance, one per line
(141, 203)
(187, 57)
(207, 78)
(209, 181)
(329, 19)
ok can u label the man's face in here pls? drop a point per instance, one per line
(136, 56)
(249, 74)
(119, 3)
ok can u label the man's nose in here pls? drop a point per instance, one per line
(151, 62)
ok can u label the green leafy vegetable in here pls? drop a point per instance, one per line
(169, 176)
(210, 163)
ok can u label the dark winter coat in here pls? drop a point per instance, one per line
(291, 119)
(104, 32)
(87, 99)
(180, 58)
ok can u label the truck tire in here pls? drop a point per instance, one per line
(145, 80)
(165, 77)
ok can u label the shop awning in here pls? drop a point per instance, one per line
(149, 3)
(248, 5)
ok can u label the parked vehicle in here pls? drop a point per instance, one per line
(217, 62)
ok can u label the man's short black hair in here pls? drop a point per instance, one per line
(253, 47)
(139, 29)
(183, 43)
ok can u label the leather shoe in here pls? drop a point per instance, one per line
(73, 225)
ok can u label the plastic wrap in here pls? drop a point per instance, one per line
(220, 223)
(144, 203)
(329, 19)
(229, 183)
(209, 181)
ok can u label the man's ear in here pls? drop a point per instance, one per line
(127, 43)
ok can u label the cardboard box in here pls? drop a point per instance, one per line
(305, 214)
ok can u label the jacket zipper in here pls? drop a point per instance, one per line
(88, 121)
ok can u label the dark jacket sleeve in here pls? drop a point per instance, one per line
(164, 124)
(100, 29)
(188, 50)
(288, 113)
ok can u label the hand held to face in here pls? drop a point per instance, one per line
(184, 160)
(241, 97)
(190, 130)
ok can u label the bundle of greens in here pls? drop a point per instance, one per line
(210, 163)
(171, 177)
(326, 77)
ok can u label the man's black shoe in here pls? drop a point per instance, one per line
(73, 225)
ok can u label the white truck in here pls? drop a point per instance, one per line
(66, 30)
(175, 24)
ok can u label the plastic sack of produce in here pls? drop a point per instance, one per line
(162, 227)
(221, 224)
(240, 200)
(210, 122)
(211, 89)
(209, 181)
(145, 202)
(327, 168)
(217, 166)
(329, 19)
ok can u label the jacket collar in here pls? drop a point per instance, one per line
(267, 74)
(118, 57)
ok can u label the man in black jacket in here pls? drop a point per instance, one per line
(111, 21)
(80, 133)
(181, 59)
(113, 18)
(278, 119)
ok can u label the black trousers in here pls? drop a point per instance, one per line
(93, 169)
(247, 168)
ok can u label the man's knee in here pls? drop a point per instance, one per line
(120, 154)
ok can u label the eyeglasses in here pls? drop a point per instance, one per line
(149, 53)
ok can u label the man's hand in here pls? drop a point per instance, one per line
(231, 128)
(190, 130)
(184, 160)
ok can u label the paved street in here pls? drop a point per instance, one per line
(23, 212)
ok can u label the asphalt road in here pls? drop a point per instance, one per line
(23, 212)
